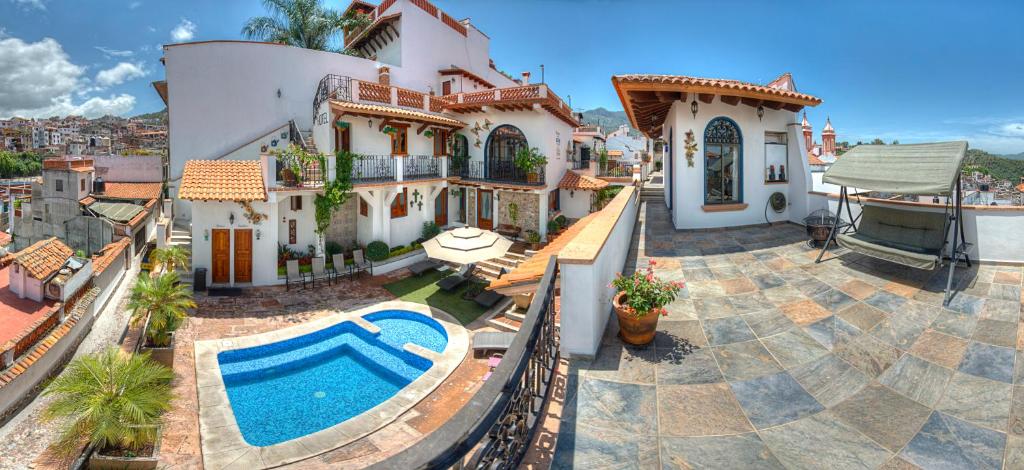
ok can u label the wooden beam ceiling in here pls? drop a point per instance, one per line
(730, 100)
(706, 97)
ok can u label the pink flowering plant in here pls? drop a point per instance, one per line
(645, 293)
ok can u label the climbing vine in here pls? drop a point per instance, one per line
(336, 192)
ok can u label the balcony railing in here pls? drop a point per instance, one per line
(309, 176)
(501, 171)
(499, 422)
(416, 167)
(374, 169)
(579, 164)
(614, 169)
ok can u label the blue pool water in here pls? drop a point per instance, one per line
(281, 391)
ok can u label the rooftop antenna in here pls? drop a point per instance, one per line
(542, 73)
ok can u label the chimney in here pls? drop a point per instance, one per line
(384, 75)
(526, 78)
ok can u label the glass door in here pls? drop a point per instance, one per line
(441, 209)
(484, 209)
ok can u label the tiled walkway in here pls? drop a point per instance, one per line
(768, 360)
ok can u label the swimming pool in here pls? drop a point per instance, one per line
(299, 386)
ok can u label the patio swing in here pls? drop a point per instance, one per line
(912, 238)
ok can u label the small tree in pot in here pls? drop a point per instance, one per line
(163, 302)
(640, 299)
(528, 160)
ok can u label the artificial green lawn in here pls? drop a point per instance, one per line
(424, 290)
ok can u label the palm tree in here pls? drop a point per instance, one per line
(110, 398)
(171, 258)
(165, 301)
(301, 23)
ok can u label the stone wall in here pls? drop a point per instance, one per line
(471, 207)
(529, 209)
(343, 223)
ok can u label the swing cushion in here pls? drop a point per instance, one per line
(910, 238)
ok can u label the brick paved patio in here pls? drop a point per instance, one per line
(768, 360)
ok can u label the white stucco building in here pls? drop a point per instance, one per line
(434, 125)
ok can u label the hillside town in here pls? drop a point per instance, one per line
(350, 240)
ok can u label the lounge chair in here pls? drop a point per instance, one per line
(338, 268)
(319, 271)
(488, 298)
(361, 264)
(492, 341)
(293, 275)
(423, 266)
(452, 282)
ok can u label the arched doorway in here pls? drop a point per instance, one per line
(500, 152)
(723, 162)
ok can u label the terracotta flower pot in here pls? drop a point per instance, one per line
(633, 330)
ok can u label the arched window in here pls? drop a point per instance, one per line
(460, 147)
(723, 162)
(503, 143)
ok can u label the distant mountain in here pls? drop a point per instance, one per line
(608, 120)
(1016, 156)
(161, 115)
(1000, 167)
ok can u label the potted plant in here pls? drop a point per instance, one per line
(528, 160)
(428, 134)
(553, 229)
(114, 402)
(533, 238)
(171, 258)
(161, 303)
(639, 300)
(389, 130)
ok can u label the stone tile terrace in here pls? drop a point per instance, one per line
(768, 360)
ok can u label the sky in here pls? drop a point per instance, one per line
(907, 70)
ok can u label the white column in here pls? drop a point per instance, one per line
(543, 215)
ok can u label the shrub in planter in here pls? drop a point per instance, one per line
(533, 238)
(552, 227)
(430, 230)
(562, 221)
(377, 251)
(333, 248)
(164, 302)
(112, 400)
(639, 300)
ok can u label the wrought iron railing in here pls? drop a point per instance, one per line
(501, 171)
(579, 164)
(494, 429)
(613, 169)
(331, 87)
(308, 176)
(421, 167)
(373, 169)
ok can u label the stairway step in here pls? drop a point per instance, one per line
(514, 256)
(514, 314)
(502, 325)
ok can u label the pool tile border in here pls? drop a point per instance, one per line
(222, 441)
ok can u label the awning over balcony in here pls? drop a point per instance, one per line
(904, 169)
(395, 113)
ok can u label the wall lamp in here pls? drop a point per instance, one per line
(693, 107)
(760, 112)
(231, 218)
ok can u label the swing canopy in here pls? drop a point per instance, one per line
(905, 169)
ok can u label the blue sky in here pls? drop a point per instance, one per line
(907, 70)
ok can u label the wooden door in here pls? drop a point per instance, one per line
(342, 141)
(221, 256)
(441, 208)
(243, 255)
(484, 209)
(446, 88)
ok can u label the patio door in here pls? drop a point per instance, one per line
(441, 208)
(221, 254)
(243, 255)
(485, 209)
(342, 139)
(460, 193)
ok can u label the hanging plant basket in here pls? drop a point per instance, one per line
(389, 130)
(429, 134)
(342, 124)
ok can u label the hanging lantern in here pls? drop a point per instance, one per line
(693, 108)
(760, 112)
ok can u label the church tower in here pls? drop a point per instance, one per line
(808, 133)
(828, 138)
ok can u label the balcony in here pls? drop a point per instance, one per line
(374, 169)
(614, 169)
(309, 176)
(497, 172)
(579, 164)
(419, 167)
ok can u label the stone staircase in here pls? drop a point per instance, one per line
(491, 268)
(649, 193)
(182, 236)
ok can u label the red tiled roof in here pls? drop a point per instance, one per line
(85, 201)
(1020, 187)
(5, 239)
(222, 180)
(131, 190)
(532, 269)
(395, 112)
(103, 258)
(465, 73)
(814, 160)
(576, 181)
(719, 85)
(43, 258)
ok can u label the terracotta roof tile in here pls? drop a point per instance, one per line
(103, 258)
(531, 270)
(396, 112)
(814, 160)
(43, 258)
(85, 201)
(717, 83)
(222, 180)
(5, 239)
(131, 191)
(576, 181)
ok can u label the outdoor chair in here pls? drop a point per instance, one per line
(293, 275)
(488, 298)
(361, 264)
(319, 271)
(452, 282)
(492, 341)
(339, 265)
(423, 266)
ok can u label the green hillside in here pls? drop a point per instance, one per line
(161, 115)
(1000, 167)
(608, 120)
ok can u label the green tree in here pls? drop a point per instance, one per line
(302, 23)
(171, 258)
(895, 142)
(111, 399)
(164, 301)
(18, 164)
(877, 141)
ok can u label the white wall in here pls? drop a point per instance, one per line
(132, 169)
(575, 204)
(689, 181)
(210, 215)
(305, 221)
(586, 297)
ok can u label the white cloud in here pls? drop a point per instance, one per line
(113, 52)
(30, 4)
(184, 31)
(119, 74)
(151, 29)
(1010, 129)
(38, 80)
(134, 5)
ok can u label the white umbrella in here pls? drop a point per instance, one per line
(466, 245)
